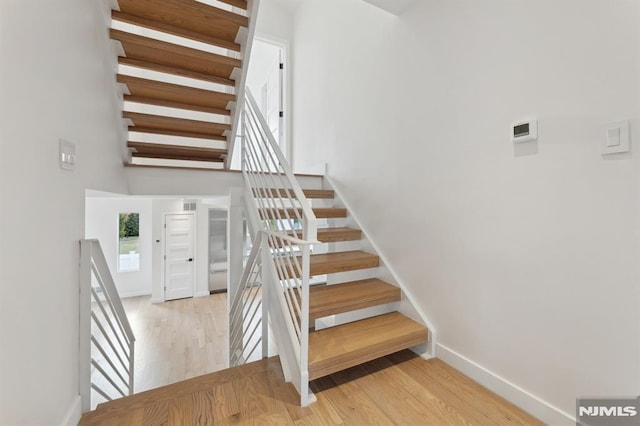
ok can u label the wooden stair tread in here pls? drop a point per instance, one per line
(325, 235)
(157, 124)
(330, 213)
(339, 298)
(185, 18)
(333, 235)
(175, 70)
(337, 348)
(175, 96)
(176, 152)
(164, 167)
(285, 193)
(156, 52)
(329, 263)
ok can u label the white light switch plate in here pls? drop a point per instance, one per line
(616, 138)
(67, 156)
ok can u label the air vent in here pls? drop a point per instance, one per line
(189, 205)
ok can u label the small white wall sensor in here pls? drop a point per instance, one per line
(524, 131)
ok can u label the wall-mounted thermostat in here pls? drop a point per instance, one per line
(524, 131)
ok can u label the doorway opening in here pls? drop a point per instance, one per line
(218, 250)
(268, 81)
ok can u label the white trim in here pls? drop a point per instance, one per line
(236, 73)
(73, 414)
(530, 403)
(286, 85)
(136, 294)
(202, 293)
(432, 344)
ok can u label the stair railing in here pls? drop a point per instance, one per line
(106, 339)
(246, 301)
(287, 229)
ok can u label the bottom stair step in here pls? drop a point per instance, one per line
(337, 348)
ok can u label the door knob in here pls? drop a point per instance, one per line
(190, 259)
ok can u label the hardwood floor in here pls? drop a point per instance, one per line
(177, 340)
(400, 389)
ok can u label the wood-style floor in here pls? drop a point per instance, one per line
(177, 340)
(401, 389)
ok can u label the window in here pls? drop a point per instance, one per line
(129, 242)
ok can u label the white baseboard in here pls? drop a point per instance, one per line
(202, 293)
(72, 417)
(535, 406)
(135, 294)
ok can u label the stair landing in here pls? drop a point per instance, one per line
(397, 389)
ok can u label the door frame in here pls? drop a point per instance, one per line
(163, 274)
(209, 258)
(285, 86)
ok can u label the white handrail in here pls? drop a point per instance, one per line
(102, 319)
(286, 229)
(309, 233)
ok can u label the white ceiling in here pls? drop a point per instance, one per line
(396, 7)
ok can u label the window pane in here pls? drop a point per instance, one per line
(129, 242)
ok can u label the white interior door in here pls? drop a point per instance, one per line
(179, 259)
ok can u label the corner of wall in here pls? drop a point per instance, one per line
(73, 414)
(503, 387)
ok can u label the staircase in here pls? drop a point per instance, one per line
(350, 315)
(342, 346)
(181, 70)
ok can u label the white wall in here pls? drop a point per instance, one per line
(192, 183)
(525, 258)
(275, 20)
(173, 182)
(54, 83)
(102, 222)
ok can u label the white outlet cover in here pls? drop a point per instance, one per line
(616, 138)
